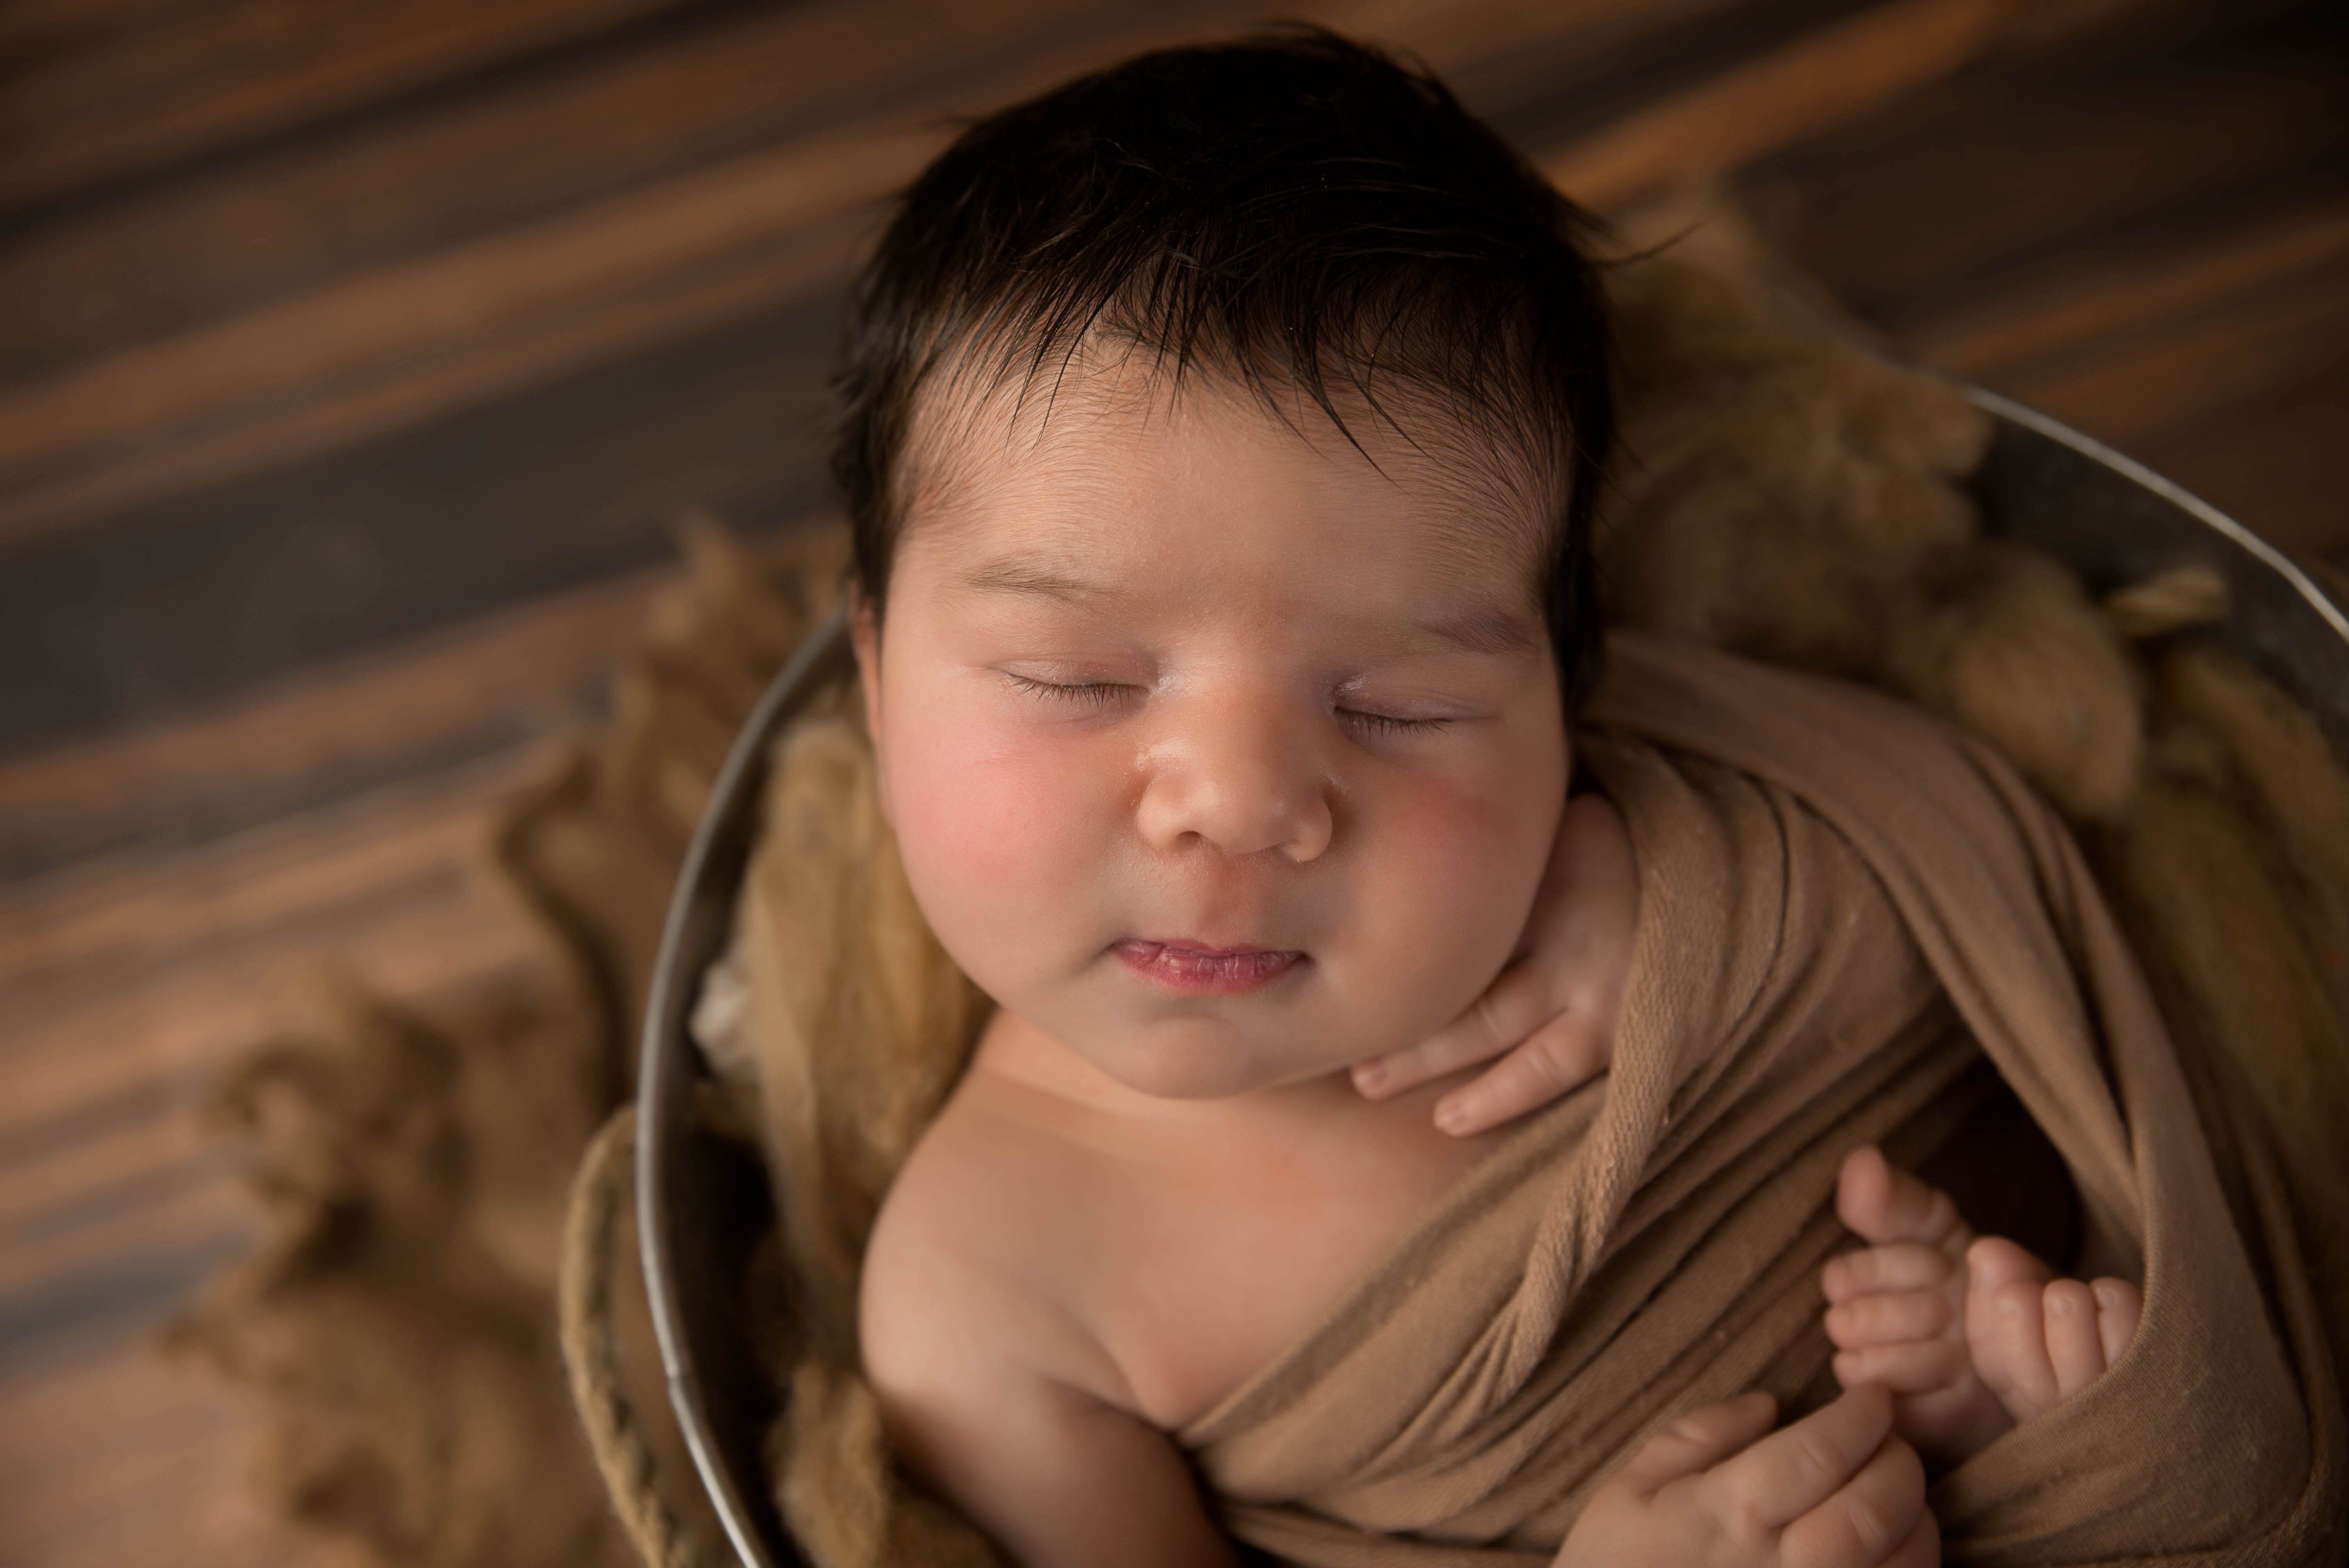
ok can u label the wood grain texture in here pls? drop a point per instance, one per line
(355, 363)
(383, 345)
(97, 103)
(135, 981)
(2168, 276)
(133, 984)
(490, 684)
(1817, 82)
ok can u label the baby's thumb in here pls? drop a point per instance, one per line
(1700, 1441)
(1883, 1204)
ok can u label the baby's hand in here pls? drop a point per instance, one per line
(2038, 1340)
(1552, 1011)
(1897, 1310)
(1717, 1488)
(1971, 1336)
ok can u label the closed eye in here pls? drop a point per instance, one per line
(1387, 724)
(1081, 694)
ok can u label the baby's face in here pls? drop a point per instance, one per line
(1213, 751)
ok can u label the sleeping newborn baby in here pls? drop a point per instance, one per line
(1223, 434)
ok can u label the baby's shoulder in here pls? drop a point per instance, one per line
(963, 1272)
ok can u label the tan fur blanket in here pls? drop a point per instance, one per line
(1787, 493)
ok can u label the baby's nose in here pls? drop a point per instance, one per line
(1241, 774)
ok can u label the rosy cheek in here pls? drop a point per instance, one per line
(985, 803)
(1451, 835)
(1473, 848)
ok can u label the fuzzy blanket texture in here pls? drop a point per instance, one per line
(1787, 493)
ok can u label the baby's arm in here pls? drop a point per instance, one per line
(1972, 1334)
(1550, 1016)
(978, 1407)
(1718, 1488)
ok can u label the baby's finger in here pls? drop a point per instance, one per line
(1883, 1203)
(1699, 1440)
(2118, 1307)
(2017, 1367)
(1920, 1368)
(1792, 1470)
(1994, 1261)
(2075, 1349)
(1563, 1055)
(1512, 1007)
(1866, 1522)
(1889, 1318)
(1904, 1266)
(2009, 1343)
(1923, 1547)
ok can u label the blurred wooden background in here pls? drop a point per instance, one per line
(355, 361)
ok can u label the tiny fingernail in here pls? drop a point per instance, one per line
(1368, 1075)
(1451, 1118)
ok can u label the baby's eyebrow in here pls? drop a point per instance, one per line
(1479, 629)
(1484, 630)
(1017, 576)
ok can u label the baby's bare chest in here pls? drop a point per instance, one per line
(1193, 1267)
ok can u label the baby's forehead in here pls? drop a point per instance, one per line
(988, 432)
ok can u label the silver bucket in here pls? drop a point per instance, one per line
(702, 1201)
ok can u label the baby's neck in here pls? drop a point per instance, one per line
(1025, 1057)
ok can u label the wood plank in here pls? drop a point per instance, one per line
(2072, 318)
(2083, 206)
(147, 910)
(27, 25)
(1546, 100)
(66, 1244)
(329, 731)
(141, 1033)
(125, 99)
(2168, 377)
(1823, 81)
(388, 348)
(200, 598)
(110, 1454)
(2220, 366)
(380, 349)
(2279, 461)
(309, 214)
(160, 967)
(2164, 134)
(133, 983)
(136, 982)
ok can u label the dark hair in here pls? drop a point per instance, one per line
(1297, 211)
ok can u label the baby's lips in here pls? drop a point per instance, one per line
(1202, 970)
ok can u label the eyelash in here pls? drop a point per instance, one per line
(1384, 724)
(1098, 694)
(1090, 693)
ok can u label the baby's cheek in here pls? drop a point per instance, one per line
(972, 816)
(993, 830)
(1472, 853)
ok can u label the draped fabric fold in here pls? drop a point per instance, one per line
(1855, 921)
